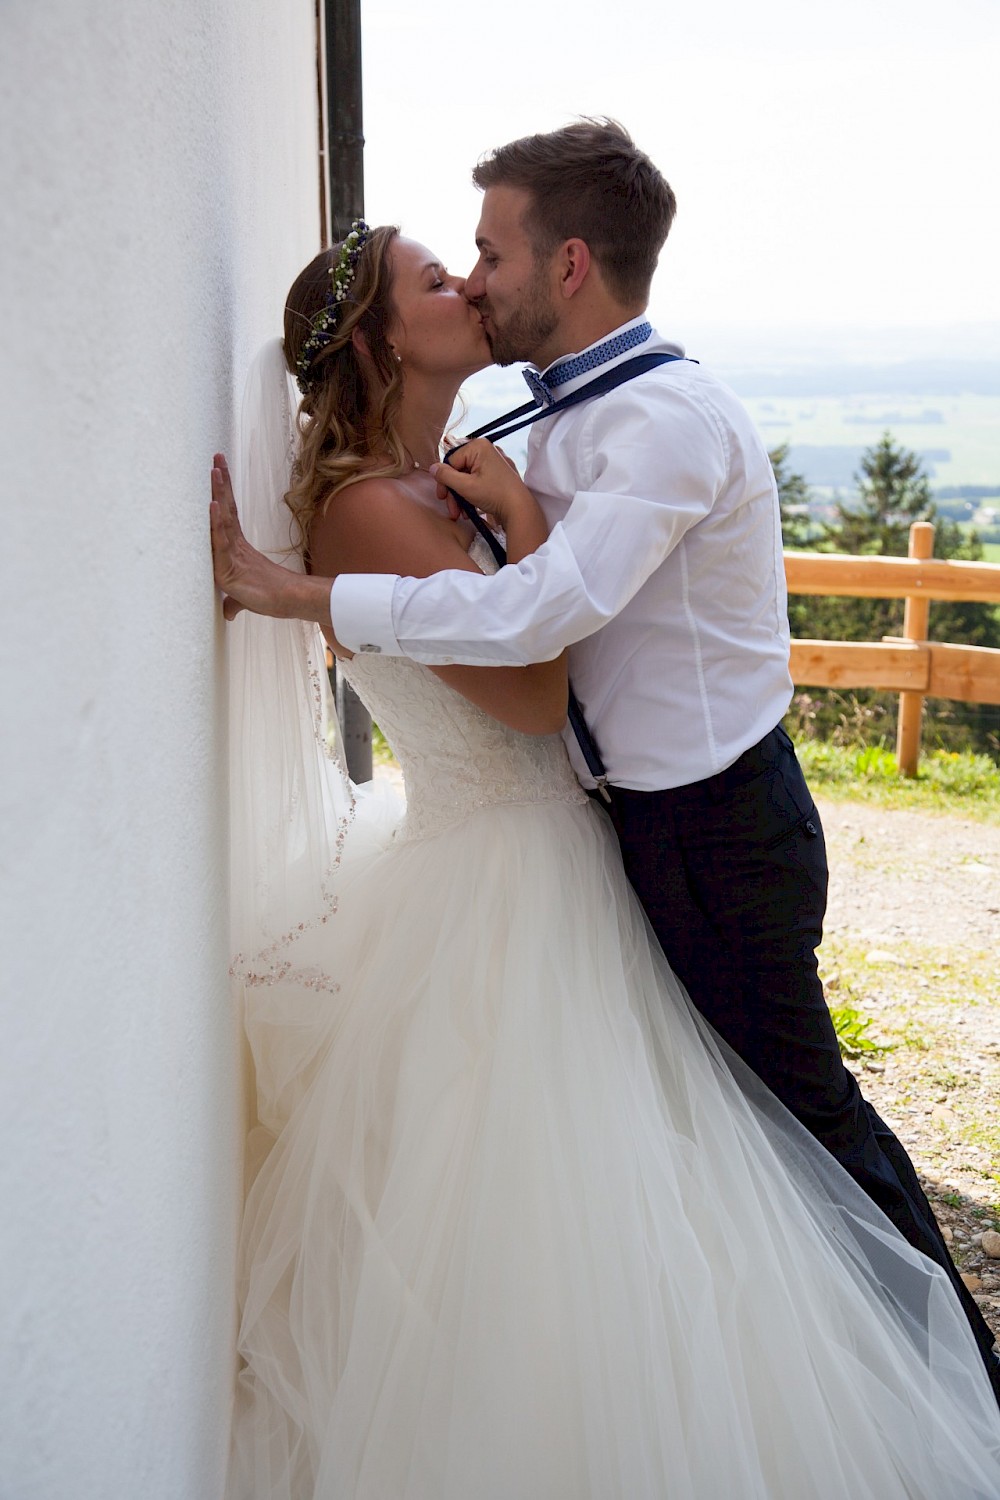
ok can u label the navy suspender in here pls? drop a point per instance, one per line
(513, 421)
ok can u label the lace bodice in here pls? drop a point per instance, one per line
(455, 758)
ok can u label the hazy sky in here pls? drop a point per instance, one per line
(835, 164)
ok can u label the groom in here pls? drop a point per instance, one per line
(664, 575)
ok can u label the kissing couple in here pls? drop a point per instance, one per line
(559, 1187)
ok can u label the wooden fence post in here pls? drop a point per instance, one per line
(911, 705)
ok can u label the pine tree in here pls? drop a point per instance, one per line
(893, 491)
(794, 496)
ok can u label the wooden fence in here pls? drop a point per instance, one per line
(909, 665)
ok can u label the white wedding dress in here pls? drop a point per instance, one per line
(519, 1233)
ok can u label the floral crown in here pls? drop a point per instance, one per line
(342, 273)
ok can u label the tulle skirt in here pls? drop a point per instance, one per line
(521, 1229)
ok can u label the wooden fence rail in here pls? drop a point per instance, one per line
(909, 664)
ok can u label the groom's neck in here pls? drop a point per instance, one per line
(582, 327)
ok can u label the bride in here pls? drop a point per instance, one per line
(518, 1227)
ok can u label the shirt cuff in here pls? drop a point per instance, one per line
(361, 612)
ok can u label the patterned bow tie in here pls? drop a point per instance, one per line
(543, 387)
(540, 392)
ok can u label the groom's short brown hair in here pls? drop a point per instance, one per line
(590, 181)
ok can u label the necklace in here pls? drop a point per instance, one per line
(413, 461)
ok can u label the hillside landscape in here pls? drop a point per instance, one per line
(946, 410)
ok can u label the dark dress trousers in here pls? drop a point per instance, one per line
(732, 873)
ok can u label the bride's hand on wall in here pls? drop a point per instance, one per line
(247, 578)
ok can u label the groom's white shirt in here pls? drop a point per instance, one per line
(663, 573)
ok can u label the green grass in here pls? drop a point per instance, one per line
(381, 750)
(852, 1033)
(947, 781)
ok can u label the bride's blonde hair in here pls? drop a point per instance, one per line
(350, 404)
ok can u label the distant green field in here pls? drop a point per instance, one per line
(991, 552)
(966, 427)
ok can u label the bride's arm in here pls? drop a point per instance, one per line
(375, 527)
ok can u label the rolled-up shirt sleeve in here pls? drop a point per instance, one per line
(654, 459)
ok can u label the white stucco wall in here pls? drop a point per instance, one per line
(159, 191)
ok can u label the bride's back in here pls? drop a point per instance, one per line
(455, 758)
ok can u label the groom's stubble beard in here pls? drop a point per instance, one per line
(526, 329)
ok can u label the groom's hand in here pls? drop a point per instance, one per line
(248, 579)
(486, 477)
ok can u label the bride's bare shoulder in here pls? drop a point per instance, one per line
(380, 525)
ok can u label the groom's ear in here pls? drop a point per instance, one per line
(574, 266)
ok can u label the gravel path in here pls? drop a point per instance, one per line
(912, 943)
(901, 875)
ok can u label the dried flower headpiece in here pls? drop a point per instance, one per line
(342, 273)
